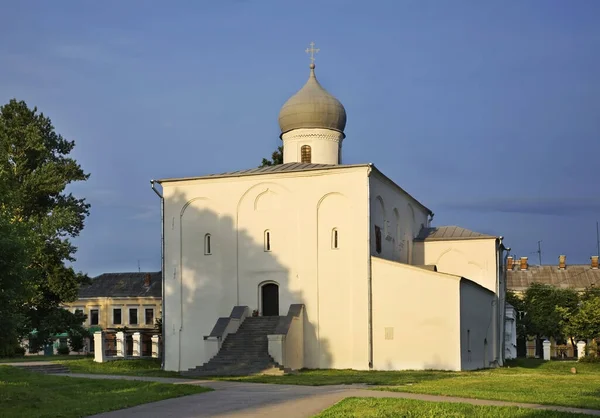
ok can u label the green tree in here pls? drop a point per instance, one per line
(584, 322)
(519, 304)
(34, 172)
(14, 251)
(546, 308)
(276, 158)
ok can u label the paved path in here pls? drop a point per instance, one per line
(238, 399)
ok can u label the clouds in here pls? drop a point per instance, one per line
(557, 206)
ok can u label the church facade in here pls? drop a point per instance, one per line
(379, 287)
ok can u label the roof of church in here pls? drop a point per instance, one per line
(449, 233)
(575, 276)
(279, 168)
(123, 285)
(289, 168)
(312, 107)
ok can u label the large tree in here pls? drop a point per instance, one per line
(14, 251)
(584, 322)
(276, 158)
(546, 307)
(34, 172)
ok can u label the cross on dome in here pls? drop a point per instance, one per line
(312, 51)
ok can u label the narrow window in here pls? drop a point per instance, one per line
(149, 316)
(267, 240)
(207, 247)
(94, 317)
(133, 316)
(334, 239)
(377, 239)
(469, 340)
(305, 154)
(79, 310)
(117, 316)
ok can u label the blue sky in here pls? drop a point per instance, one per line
(487, 112)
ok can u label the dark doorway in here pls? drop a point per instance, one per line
(270, 299)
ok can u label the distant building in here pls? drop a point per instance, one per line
(576, 276)
(115, 301)
(520, 275)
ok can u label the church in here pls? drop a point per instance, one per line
(316, 264)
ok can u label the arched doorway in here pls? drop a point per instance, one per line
(270, 299)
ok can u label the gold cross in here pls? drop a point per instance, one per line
(312, 50)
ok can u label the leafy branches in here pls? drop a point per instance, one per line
(37, 218)
(276, 158)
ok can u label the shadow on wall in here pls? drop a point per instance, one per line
(212, 266)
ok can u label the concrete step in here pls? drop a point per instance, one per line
(244, 352)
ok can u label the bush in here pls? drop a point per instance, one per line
(589, 359)
(76, 342)
(63, 350)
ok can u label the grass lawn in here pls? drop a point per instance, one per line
(366, 407)
(145, 367)
(532, 381)
(26, 394)
(40, 358)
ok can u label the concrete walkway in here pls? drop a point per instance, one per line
(238, 399)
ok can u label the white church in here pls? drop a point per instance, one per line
(317, 264)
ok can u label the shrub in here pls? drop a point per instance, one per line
(76, 342)
(589, 359)
(63, 350)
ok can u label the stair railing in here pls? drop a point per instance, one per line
(223, 327)
(286, 344)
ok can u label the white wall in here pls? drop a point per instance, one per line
(325, 145)
(510, 332)
(300, 210)
(421, 309)
(474, 259)
(398, 215)
(476, 325)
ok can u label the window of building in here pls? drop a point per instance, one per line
(334, 239)
(207, 245)
(94, 316)
(377, 239)
(133, 316)
(79, 310)
(305, 154)
(117, 316)
(267, 240)
(469, 340)
(149, 316)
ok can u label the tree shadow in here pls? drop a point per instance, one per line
(214, 262)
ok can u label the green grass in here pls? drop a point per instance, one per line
(26, 394)
(40, 358)
(531, 381)
(369, 407)
(145, 367)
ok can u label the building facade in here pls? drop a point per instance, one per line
(344, 241)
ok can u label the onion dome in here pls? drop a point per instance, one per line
(312, 107)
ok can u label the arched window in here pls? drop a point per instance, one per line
(207, 245)
(305, 154)
(377, 239)
(334, 239)
(267, 240)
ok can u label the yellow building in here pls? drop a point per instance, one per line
(521, 274)
(121, 301)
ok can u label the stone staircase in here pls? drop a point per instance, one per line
(43, 368)
(244, 352)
